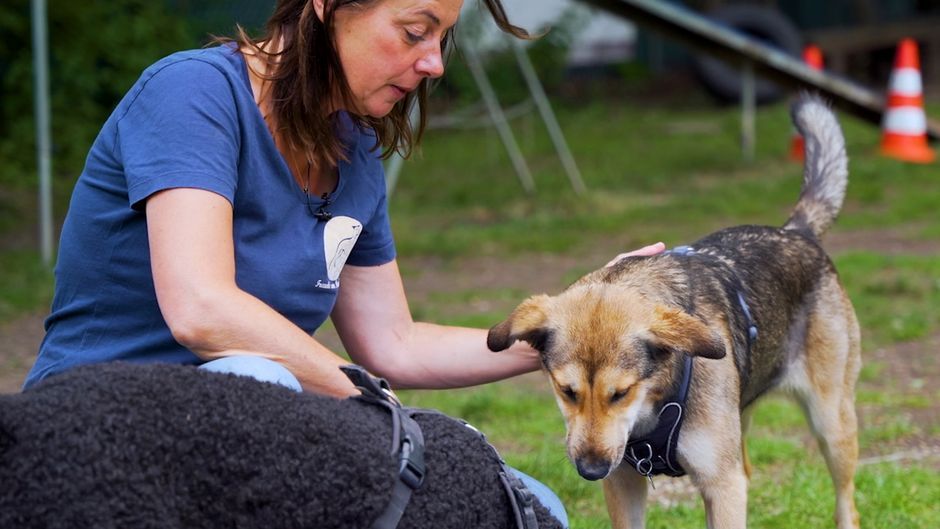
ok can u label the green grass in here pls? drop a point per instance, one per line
(790, 486)
(642, 171)
(896, 297)
(25, 283)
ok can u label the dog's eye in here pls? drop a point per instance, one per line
(619, 395)
(569, 393)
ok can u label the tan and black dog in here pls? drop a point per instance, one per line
(755, 308)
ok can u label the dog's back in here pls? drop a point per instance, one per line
(123, 445)
(779, 271)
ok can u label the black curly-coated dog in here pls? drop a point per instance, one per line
(122, 445)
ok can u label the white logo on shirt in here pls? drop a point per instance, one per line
(339, 237)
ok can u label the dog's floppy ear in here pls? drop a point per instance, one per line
(679, 331)
(526, 323)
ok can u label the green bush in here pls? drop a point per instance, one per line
(96, 51)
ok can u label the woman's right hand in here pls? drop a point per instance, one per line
(652, 249)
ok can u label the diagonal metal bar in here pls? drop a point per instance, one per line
(704, 35)
(499, 119)
(548, 117)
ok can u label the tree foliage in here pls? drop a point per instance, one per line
(97, 49)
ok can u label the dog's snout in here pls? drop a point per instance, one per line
(592, 468)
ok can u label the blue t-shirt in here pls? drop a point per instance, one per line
(191, 121)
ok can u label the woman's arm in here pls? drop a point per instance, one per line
(193, 261)
(375, 324)
(373, 320)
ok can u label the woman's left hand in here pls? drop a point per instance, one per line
(652, 249)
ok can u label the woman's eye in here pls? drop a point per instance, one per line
(414, 37)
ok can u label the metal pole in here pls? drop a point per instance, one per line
(499, 119)
(748, 103)
(43, 136)
(548, 116)
(393, 168)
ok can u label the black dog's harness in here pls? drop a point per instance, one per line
(407, 444)
(655, 453)
(408, 448)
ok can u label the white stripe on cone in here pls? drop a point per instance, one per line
(906, 82)
(905, 120)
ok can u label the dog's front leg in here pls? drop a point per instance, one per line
(716, 467)
(625, 492)
(726, 500)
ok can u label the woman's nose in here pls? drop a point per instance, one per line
(431, 64)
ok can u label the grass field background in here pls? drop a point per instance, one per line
(672, 173)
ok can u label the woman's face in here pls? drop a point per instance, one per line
(389, 46)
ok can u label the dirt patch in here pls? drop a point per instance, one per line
(910, 373)
(19, 341)
(890, 242)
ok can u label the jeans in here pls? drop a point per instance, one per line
(270, 371)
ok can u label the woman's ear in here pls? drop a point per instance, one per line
(318, 8)
(526, 323)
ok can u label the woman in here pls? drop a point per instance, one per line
(235, 199)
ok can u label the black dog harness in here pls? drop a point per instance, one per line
(407, 444)
(655, 453)
(408, 448)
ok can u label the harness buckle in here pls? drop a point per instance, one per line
(640, 461)
(644, 465)
(362, 380)
(410, 465)
(524, 496)
(369, 386)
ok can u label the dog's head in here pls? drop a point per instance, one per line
(611, 351)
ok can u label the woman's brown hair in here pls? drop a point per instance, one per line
(306, 72)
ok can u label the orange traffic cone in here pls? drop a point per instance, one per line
(813, 58)
(904, 125)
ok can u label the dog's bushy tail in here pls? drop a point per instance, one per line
(825, 173)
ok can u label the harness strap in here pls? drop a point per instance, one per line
(655, 453)
(521, 499)
(407, 444)
(751, 327)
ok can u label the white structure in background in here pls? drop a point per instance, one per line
(604, 39)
